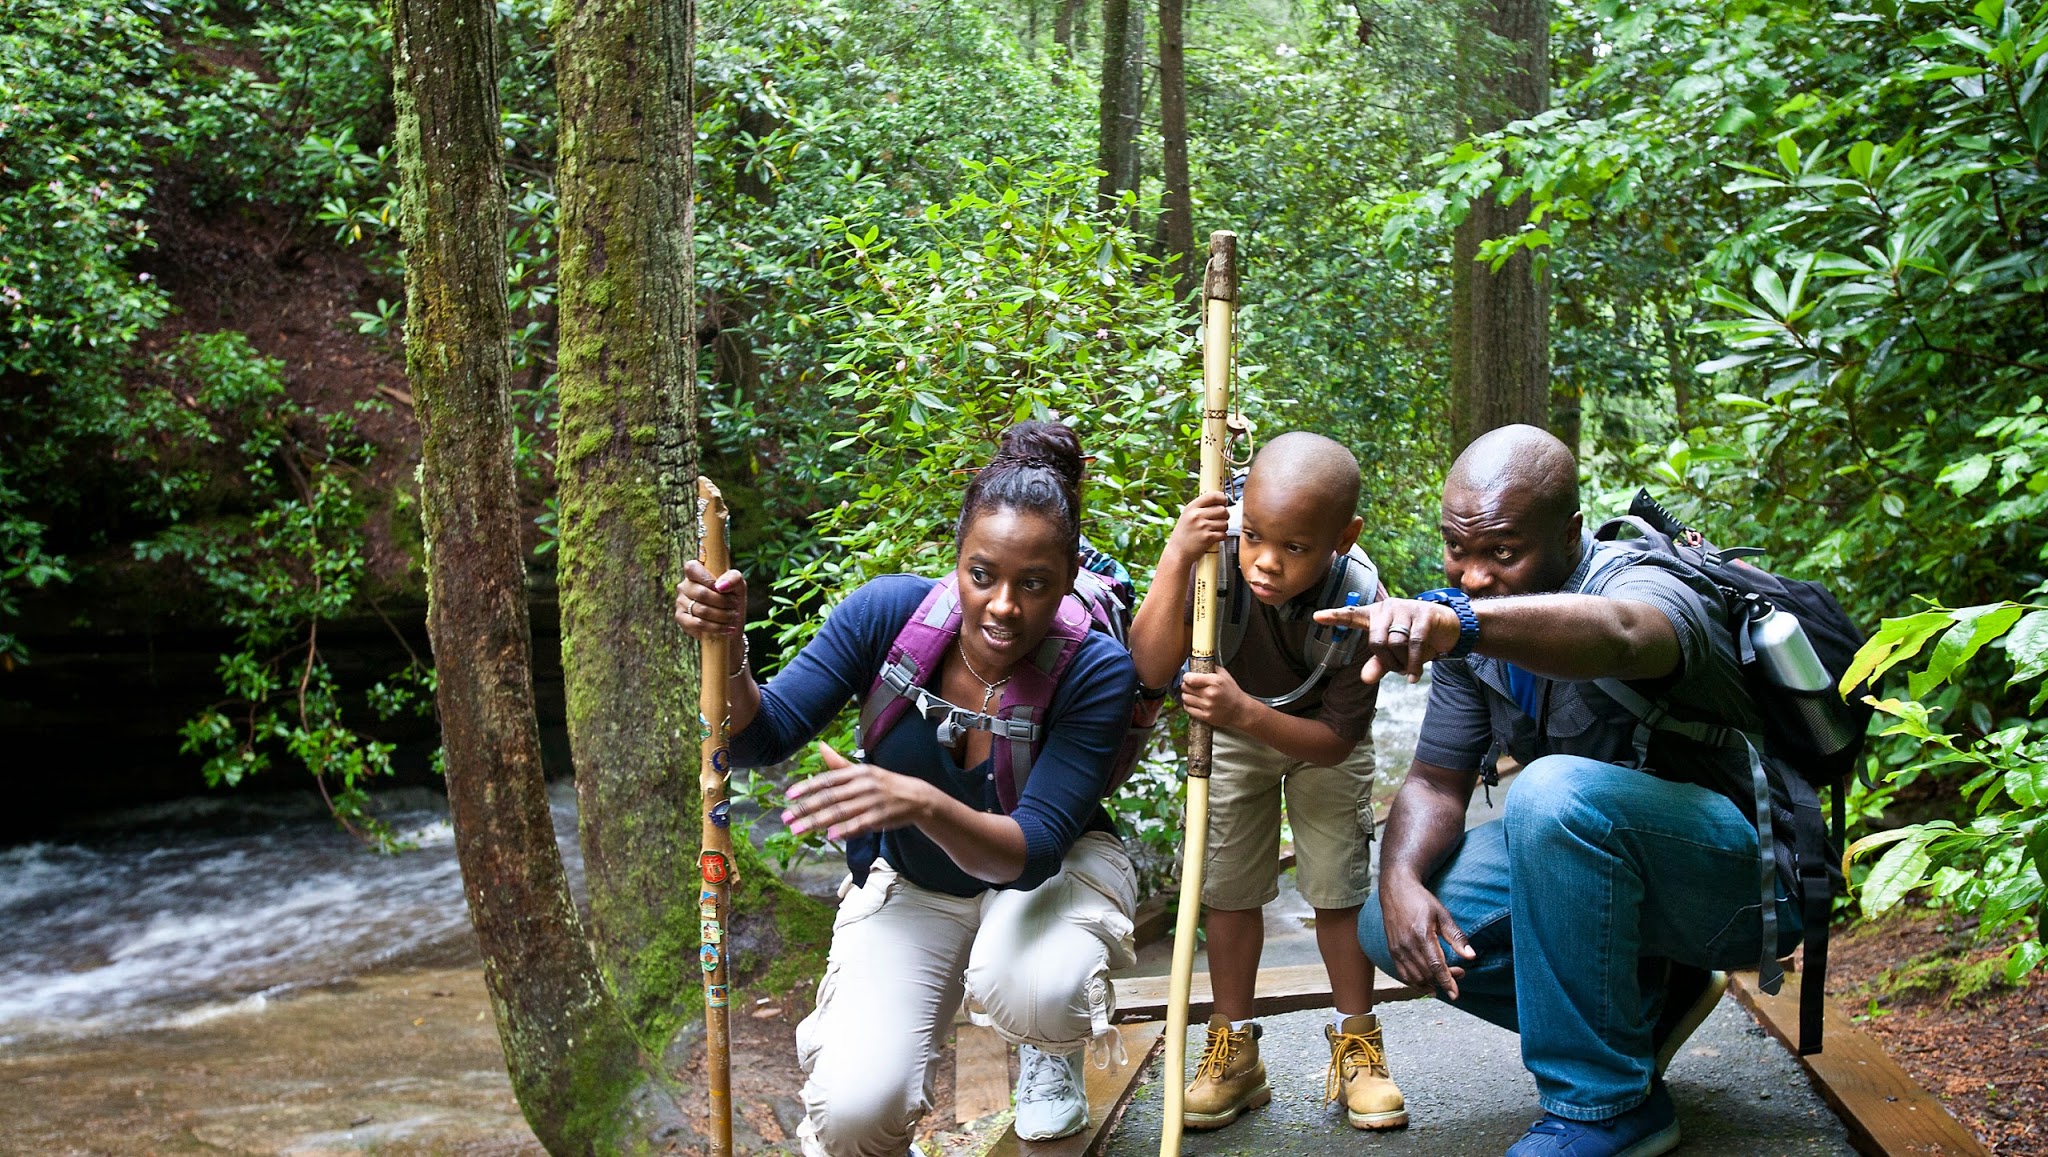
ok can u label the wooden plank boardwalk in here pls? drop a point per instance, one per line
(982, 1083)
(1279, 990)
(1883, 1109)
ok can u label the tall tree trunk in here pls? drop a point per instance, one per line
(578, 1072)
(1063, 23)
(1178, 212)
(1500, 320)
(1130, 166)
(1110, 122)
(627, 468)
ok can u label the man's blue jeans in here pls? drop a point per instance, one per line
(1595, 877)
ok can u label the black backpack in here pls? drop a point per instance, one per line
(1808, 742)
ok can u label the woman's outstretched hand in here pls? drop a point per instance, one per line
(710, 606)
(852, 799)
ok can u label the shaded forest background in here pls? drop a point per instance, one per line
(1782, 263)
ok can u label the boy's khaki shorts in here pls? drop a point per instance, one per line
(1329, 809)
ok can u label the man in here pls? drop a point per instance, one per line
(1589, 917)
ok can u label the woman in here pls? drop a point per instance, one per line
(1023, 914)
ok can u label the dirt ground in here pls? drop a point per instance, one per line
(1985, 1056)
(405, 1064)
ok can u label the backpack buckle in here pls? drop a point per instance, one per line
(957, 722)
(1013, 729)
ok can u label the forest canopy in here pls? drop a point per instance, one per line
(1793, 252)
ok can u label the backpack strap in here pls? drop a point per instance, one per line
(1017, 727)
(1610, 531)
(913, 659)
(1028, 700)
(1654, 717)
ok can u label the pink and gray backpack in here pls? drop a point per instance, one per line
(1102, 601)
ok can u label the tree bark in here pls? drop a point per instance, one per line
(1500, 320)
(627, 468)
(1063, 23)
(1130, 164)
(1178, 210)
(576, 1068)
(1677, 366)
(1111, 126)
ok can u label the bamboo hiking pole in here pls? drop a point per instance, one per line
(1219, 295)
(714, 863)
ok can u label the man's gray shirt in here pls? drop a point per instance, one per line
(1473, 715)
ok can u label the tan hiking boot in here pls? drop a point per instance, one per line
(1230, 1078)
(1358, 1075)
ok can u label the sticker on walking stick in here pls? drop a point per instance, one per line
(707, 907)
(711, 932)
(721, 814)
(708, 957)
(720, 761)
(714, 996)
(712, 865)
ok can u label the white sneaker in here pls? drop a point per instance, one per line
(1051, 1098)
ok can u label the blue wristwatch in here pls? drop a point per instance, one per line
(1468, 619)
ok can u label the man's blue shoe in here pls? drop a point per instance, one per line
(1647, 1130)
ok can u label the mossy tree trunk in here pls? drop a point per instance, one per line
(1177, 224)
(1500, 319)
(1063, 23)
(627, 464)
(582, 1080)
(1112, 116)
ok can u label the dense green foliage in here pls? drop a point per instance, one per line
(75, 181)
(239, 496)
(1994, 861)
(1797, 250)
(1803, 265)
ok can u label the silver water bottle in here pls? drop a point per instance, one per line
(1787, 655)
(1789, 662)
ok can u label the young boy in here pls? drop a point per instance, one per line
(1299, 518)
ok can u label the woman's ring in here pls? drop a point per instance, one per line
(1392, 631)
(689, 606)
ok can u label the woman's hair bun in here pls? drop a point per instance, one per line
(1037, 467)
(1052, 445)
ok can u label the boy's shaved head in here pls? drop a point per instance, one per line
(1301, 461)
(1523, 461)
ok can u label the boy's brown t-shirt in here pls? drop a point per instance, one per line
(1269, 662)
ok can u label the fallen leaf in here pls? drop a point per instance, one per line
(765, 1013)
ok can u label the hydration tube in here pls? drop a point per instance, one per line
(1337, 636)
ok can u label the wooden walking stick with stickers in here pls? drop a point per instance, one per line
(715, 861)
(1219, 297)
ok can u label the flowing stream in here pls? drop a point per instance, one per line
(179, 919)
(168, 926)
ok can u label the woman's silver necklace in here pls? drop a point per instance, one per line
(988, 689)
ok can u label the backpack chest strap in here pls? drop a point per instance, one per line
(953, 720)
